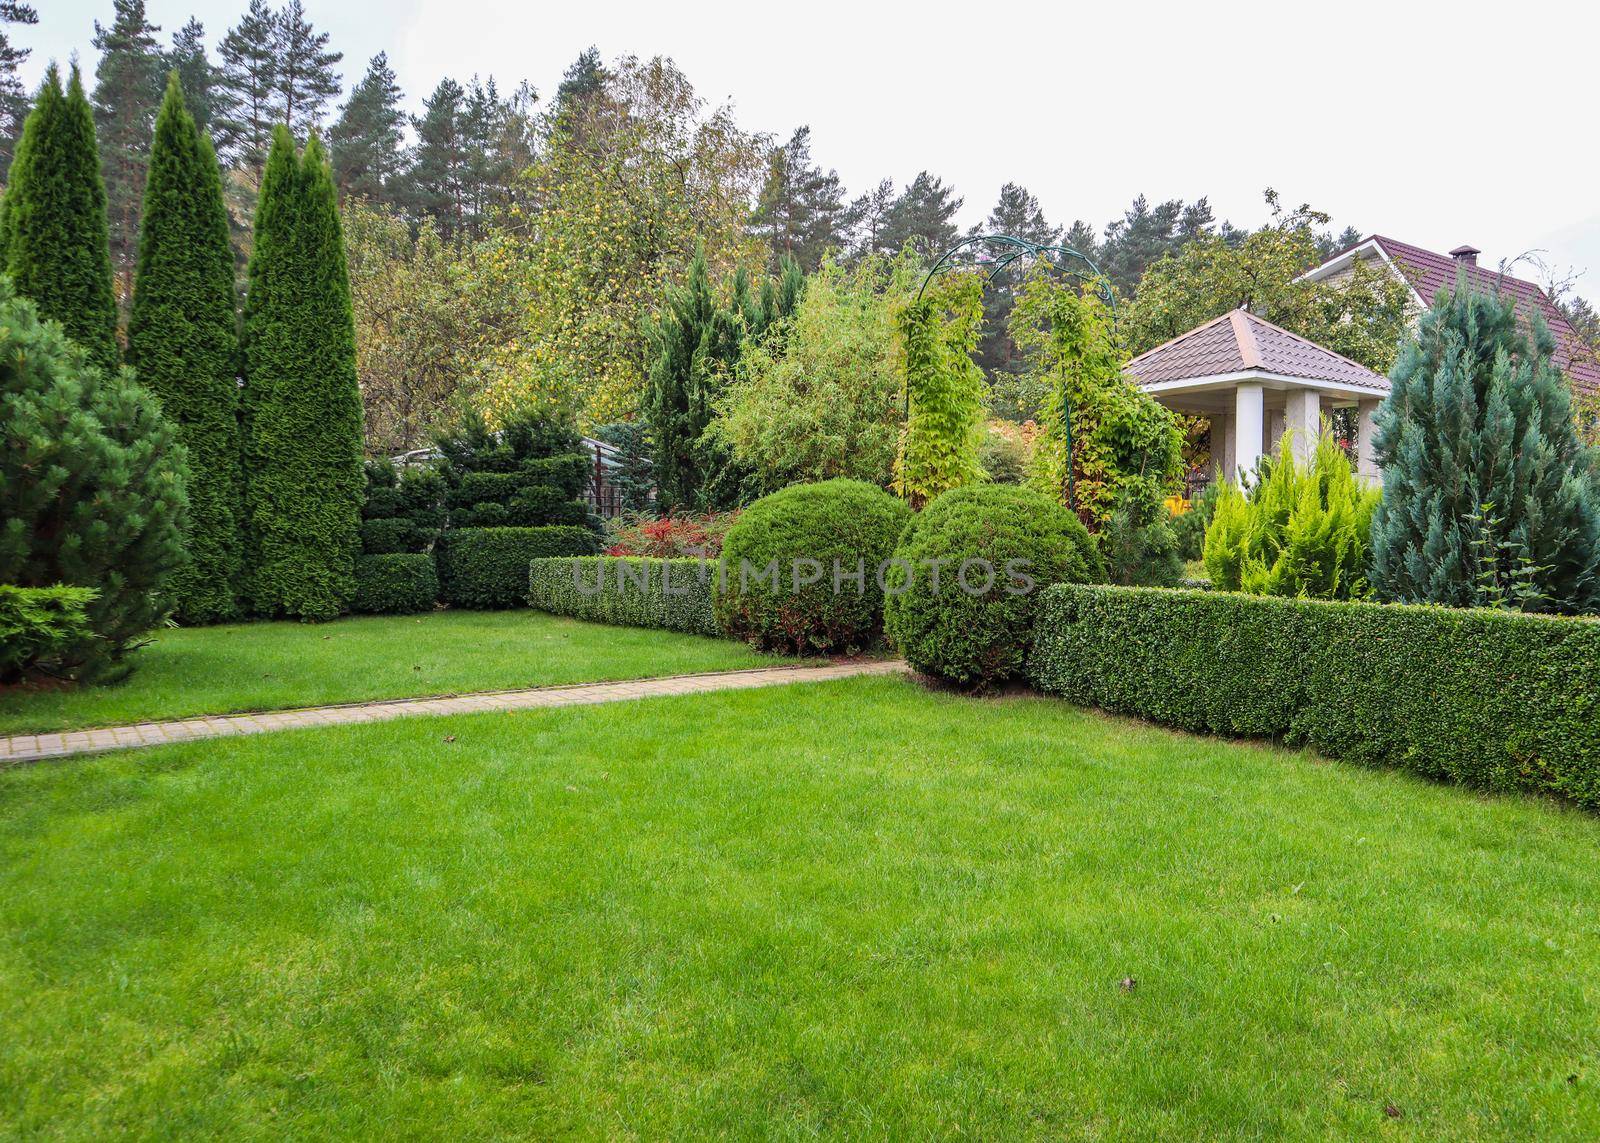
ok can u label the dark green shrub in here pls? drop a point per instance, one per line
(301, 401)
(979, 631)
(488, 567)
(1139, 544)
(674, 595)
(529, 474)
(92, 484)
(43, 628)
(390, 535)
(1190, 528)
(403, 510)
(395, 584)
(1488, 698)
(183, 342)
(803, 567)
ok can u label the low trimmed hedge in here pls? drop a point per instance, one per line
(674, 595)
(488, 567)
(399, 583)
(1494, 699)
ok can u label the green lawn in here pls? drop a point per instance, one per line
(267, 666)
(853, 908)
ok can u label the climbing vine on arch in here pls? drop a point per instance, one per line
(944, 389)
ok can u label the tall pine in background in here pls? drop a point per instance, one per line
(1489, 497)
(53, 239)
(127, 90)
(13, 97)
(246, 86)
(182, 341)
(368, 138)
(198, 78)
(302, 406)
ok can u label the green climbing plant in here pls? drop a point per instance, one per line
(944, 390)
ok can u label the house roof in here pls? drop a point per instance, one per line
(1241, 342)
(1428, 273)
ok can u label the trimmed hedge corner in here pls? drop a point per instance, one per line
(488, 567)
(398, 583)
(674, 595)
(1494, 699)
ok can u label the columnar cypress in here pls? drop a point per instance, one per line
(302, 406)
(1489, 497)
(53, 239)
(183, 342)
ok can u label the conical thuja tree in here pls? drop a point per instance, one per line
(53, 237)
(182, 341)
(1489, 496)
(301, 403)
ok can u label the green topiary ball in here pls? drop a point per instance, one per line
(970, 626)
(801, 567)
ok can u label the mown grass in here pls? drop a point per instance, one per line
(270, 666)
(854, 908)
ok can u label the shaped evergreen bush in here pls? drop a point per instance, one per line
(54, 241)
(802, 567)
(967, 576)
(401, 519)
(513, 495)
(1302, 530)
(42, 628)
(301, 403)
(92, 485)
(1489, 496)
(183, 342)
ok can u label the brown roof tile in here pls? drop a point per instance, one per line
(1240, 340)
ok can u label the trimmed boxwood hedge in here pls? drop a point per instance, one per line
(1494, 699)
(395, 584)
(488, 567)
(674, 595)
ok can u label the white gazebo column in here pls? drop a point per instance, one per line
(1303, 421)
(1366, 433)
(1249, 409)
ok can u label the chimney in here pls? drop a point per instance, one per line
(1466, 255)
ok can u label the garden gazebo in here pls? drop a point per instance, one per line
(1254, 382)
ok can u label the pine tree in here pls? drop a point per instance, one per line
(367, 140)
(53, 237)
(1018, 214)
(246, 87)
(304, 75)
(301, 402)
(127, 90)
(188, 58)
(866, 217)
(800, 211)
(694, 342)
(497, 139)
(1489, 497)
(922, 216)
(13, 98)
(583, 82)
(438, 173)
(91, 483)
(182, 341)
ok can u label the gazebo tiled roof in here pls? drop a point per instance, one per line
(1239, 342)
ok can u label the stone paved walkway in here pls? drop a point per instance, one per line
(33, 747)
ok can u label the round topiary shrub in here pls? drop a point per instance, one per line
(966, 577)
(801, 567)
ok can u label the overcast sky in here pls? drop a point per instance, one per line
(1436, 124)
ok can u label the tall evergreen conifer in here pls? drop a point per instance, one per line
(1489, 497)
(367, 139)
(182, 341)
(127, 90)
(53, 237)
(302, 406)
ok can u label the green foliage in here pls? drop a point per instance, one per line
(800, 211)
(1362, 316)
(822, 397)
(404, 510)
(92, 484)
(395, 583)
(488, 567)
(633, 477)
(1302, 530)
(972, 623)
(301, 402)
(53, 238)
(369, 138)
(1190, 528)
(183, 342)
(529, 474)
(792, 564)
(1490, 497)
(1004, 454)
(127, 92)
(1490, 699)
(672, 595)
(1141, 547)
(944, 388)
(43, 629)
(1122, 438)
